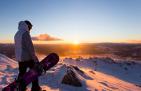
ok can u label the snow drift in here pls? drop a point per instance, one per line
(92, 74)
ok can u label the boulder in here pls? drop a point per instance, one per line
(70, 78)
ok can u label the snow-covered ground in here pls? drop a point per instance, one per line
(82, 74)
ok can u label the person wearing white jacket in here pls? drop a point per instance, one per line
(25, 53)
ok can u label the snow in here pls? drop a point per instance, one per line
(6, 62)
(95, 74)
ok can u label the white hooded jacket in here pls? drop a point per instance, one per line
(24, 49)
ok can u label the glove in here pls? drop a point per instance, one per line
(36, 59)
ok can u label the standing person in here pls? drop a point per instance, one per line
(24, 52)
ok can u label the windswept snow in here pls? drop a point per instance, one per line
(8, 70)
(6, 62)
(95, 74)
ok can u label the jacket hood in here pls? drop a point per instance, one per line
(22, 26)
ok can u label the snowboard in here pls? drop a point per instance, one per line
(51, 60)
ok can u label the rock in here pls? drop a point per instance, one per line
(92, 72)
(70, 78)
(77, 69)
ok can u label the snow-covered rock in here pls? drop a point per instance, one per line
(71, 78)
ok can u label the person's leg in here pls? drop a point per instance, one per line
(35, 83)
(22, 71)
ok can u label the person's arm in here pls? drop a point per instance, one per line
(29, 46)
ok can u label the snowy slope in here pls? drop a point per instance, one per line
(5, 61)
(8, 70)
(128, 70)
(94, 74)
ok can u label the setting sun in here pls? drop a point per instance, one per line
(76, 42)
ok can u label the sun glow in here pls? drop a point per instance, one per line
(76, 42)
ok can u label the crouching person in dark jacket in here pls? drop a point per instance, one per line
(24, 52)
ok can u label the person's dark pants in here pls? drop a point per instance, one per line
(23, 69)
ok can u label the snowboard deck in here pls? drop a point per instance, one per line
(51, 60)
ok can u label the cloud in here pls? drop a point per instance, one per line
(45, 37)
(134, 41)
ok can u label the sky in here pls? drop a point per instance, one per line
(84, 21)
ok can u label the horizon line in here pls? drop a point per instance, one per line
(79, 43)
